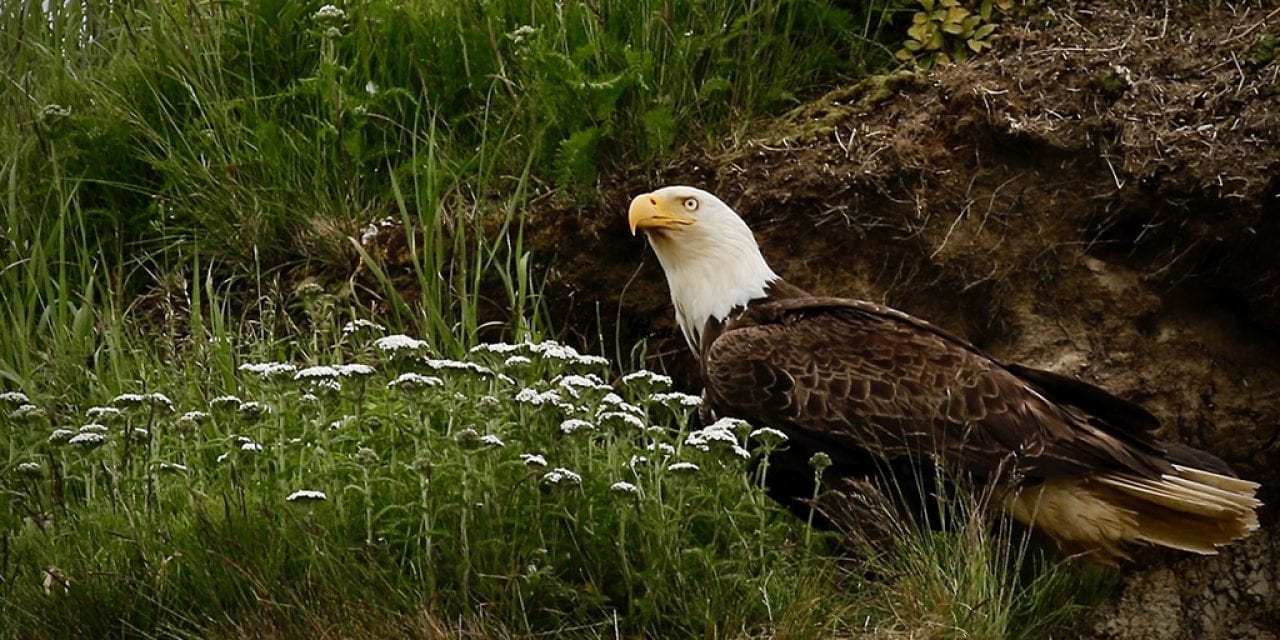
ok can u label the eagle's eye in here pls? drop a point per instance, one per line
(690, 204)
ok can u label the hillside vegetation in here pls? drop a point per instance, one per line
(206, 436)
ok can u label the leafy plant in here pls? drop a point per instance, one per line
(947, 30)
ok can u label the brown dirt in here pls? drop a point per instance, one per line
(1101, 198)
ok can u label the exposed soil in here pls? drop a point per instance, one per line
(1101, 198)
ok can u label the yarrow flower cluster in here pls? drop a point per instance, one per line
(27, 412)
(624, 488)
(359, 325)
(88, 440)
(103, 413)
(318, 372)
(398, 344)
(620, 416)
(225, 403)
(677, 399)
(768, 436)
(682, 467)
(497, 347)
(553, 350)
(267, 370)
(720, 432)
(306, 495)
(414, 381)
(457, 365)
(561, 476)
(533, 459)
(647, 377)
(573, 425)
(15, 398)
(492, 440)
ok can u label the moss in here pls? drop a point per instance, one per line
(820, 117)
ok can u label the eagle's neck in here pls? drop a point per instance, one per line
(709, 280)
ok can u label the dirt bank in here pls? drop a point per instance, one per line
(1102, 199)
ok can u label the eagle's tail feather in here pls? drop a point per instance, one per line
(1189, 509)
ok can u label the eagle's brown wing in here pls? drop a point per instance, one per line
(855, 374)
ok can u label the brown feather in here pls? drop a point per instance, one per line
(852, 376)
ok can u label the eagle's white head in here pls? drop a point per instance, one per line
(711, 258)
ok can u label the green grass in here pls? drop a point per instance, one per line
(425, 525)
(185, 186)
(264, 136)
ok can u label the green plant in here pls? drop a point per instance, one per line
(947, 30)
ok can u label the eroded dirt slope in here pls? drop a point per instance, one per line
(1102, 199)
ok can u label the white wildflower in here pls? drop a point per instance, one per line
(624, 488)
(489, 401)
(626, 418)
(129, 400)
(309, 398)
(360, 324)
(516, 361)
(648, 377)
(225, 403)
(562, 476)
(103, 413)
(665, 448)
(29, 469)
(326, 385)
(306, 495)
(139, 434)
(508, 379)
(414, 381)
(679, 467)
(399, 343)
(192, 419)
(574, 424)
(457, 365)
(250, 446)
(732, 425)
(355, 370)
(496, 347)
(173, 467)
(342, 422)
(269, 369)
(27, 412)
(534, 397)
(741, 452)
(254, 410)
(319, 372)
(768, 436)
(61, 436)
(160, 401)
(619, 404)
(14, 398)
(88, 440)
(677, 399)
(94, 427)
(636, 461)
(492, 440)
(371, 88)
(518, 36)
(573, 383)
(533, 459)
(330, 13)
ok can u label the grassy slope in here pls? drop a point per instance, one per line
(204, 151)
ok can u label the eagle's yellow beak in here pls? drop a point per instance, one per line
(648, 212)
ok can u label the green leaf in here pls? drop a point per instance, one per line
(984, 31)
(660, 128)
(575, 162)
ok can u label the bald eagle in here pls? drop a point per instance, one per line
(876, 389)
